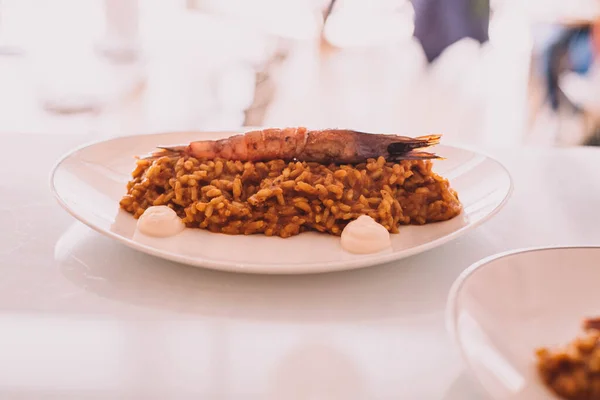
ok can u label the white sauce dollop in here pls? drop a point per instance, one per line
(160, 221)
(364, 235)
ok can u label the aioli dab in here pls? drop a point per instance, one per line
(364, 235)
(160, 221)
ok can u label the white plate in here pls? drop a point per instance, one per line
(504, 307)
(89, 183)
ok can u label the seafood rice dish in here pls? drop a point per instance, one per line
(281, 182)
(572, 371)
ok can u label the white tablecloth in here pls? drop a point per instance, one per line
(84, 317)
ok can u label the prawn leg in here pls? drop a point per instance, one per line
(415, 155)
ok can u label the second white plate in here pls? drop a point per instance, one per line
(503, 308)
(90, 181)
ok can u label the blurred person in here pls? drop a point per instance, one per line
(596, 36)
(441, 23)
(568, 48)
(594, 138)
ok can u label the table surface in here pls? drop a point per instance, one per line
(85, 317)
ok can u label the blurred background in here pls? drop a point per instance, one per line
(483, 73)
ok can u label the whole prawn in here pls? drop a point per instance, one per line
(339, 146)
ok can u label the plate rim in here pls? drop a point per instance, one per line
(235, 267)
(451, 301)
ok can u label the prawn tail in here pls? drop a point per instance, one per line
(402, 146)
(429, 140)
